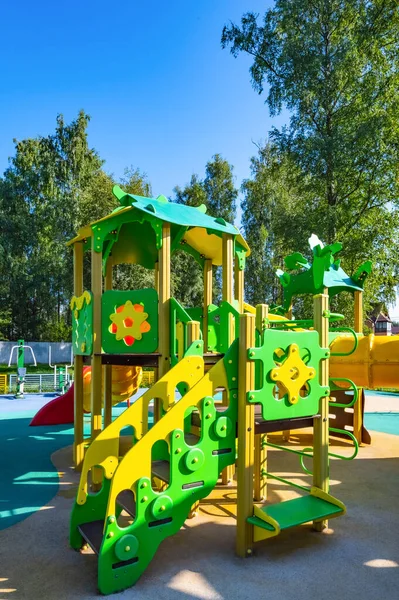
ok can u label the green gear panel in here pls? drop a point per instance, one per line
(127, 328)
(297, 357)
(82, 324)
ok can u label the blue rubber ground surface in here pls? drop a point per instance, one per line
(384, 422)
(28, 478)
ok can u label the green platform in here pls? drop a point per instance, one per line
(296, 512)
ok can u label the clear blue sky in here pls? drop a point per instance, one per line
(162, 94)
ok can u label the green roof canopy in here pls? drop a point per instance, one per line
(133, 231)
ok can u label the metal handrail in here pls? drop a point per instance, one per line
(301, 487)
(180, 313)
(347, 330)
(354, 440)
(309, 453)
(29, 347)
(337, 388)
(305, 322)
(335, 455)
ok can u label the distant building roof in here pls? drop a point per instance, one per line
(382, 318)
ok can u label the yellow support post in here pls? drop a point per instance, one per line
(208, 274)
(193, 335)
(287, 432)
(164, 309)
(358, 407)
(321, 425)
(246, 438)
(78, 442)
(156, 277)
(156, 286)
(358, 301)
(227, 275)
(227, 296)
(108, 368)
(260, 464)
(96, 363)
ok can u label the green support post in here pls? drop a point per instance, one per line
(61, 382)
(21, 370)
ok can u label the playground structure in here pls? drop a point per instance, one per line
(273, 372)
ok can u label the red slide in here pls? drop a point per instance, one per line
(59, 411)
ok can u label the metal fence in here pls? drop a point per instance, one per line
(3, 384)
(39, 382)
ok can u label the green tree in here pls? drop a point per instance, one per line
(186, 273)
(269, 207)
(54, 185)
(217, 191)
(220, 190)
(40, 211)
(134, 277)
(334, 66)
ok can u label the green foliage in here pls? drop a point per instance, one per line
(270, 222)
(218, 193)
(5, 321)
(134, 277)
(334, 66)
(40, 210)
(52, 187)
(221, 194)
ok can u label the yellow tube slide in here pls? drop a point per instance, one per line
(125, 383)
(374, 364)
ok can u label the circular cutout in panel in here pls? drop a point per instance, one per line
(162, 507)
(194, 459)
(223, 427)
(127, 547)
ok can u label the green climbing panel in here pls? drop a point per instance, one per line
(82, 324)
(130, 321)
(287, 371)
(189, 465)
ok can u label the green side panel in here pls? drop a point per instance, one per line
(130, 321)
(296, 512)
(213, 328)
(218, 325)
(273, 352)
(194, 471)
(179, 318)
(196, 314)
(82, 328)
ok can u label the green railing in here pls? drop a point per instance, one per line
(345, 330)
(308, 453)
(179, 319)
(305, 323)
(337, 388)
